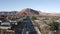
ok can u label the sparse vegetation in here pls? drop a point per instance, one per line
(54, 26)
(51, 24)
(34, 18)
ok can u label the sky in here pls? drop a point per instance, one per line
(49, 6)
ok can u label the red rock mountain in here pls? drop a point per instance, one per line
(28, 11)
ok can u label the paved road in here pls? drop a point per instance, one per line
(28, 27)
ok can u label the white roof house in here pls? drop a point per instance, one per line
(5, 25)
(13, 22)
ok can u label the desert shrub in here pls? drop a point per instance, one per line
(33, 18)
(54, 26)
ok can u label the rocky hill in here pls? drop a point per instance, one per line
(28, 11)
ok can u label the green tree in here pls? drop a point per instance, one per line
(33, 18)
(54, 26)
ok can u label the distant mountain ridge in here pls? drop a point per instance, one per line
(8, 12)
(30, 12)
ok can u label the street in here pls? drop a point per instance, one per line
(28, 27)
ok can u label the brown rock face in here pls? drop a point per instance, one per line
(28, 11)
(42, 13)
(31, 12)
